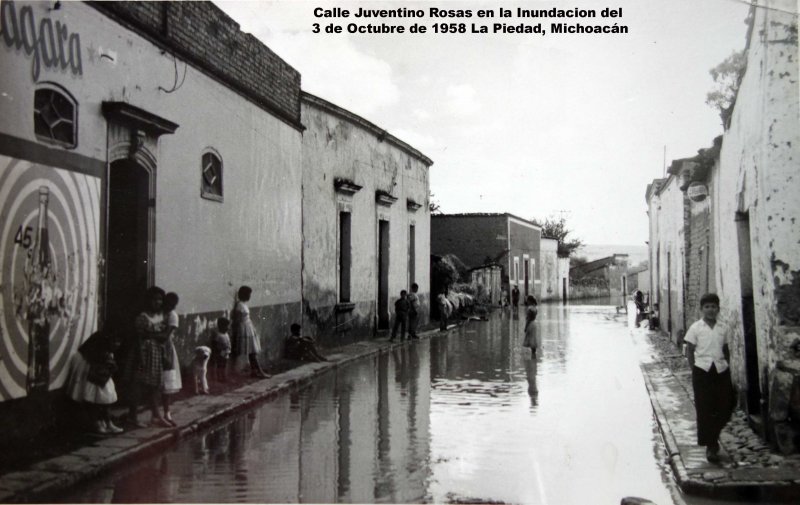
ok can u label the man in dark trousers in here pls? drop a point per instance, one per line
(515, 297)
(401, 309)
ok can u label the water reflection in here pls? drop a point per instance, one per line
(469, 416)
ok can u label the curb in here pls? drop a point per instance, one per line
(749, 490)
(46, 479)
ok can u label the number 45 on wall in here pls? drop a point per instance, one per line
(23, 237)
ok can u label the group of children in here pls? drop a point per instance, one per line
(406, 313)
(150, 365)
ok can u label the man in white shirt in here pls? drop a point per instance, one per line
(708, 353)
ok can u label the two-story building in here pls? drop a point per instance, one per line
(480, 239)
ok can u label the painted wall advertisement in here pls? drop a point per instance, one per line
(49, 243)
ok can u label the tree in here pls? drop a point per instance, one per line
(433, 205)
(727, 78)
(443, 275)
(557, 229)
(577, 261)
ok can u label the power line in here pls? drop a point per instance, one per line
(756, 4)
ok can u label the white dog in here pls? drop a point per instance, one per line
(199, 369)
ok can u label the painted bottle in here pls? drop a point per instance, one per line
(38, 377)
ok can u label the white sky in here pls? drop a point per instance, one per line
(527, 124)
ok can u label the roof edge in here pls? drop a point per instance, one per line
(381, 134)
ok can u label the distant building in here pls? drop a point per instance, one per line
(552, 283)
(638, 278)
(477, 239)
(611, 269)
(491, 278)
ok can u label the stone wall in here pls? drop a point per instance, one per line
(756, 188)
(550, 280)
(355, 167)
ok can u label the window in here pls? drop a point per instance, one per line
(211, 176)
(345, 259)
(55, 116)
(515, 278)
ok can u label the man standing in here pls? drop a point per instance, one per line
(515, 297)
(413, 311)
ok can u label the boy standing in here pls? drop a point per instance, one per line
(401, 309)
(708, 354)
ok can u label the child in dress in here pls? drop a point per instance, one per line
(532, 338)
(90, 381)
(172, 368)
(221, 348)
(244, 332)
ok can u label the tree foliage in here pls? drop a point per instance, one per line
(433, 205)
(444, 274)
(727, 76)
(557, 229)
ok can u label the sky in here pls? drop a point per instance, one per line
(560, 125)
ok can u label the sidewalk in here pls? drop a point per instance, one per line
(749, 469)
(44, 480)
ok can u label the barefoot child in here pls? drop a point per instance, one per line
(245, 333)
(221, 349)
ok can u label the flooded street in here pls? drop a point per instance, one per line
(464, 417)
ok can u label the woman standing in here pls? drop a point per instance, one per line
(151, 334)
(244, 333)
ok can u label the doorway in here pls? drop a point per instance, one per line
(748, 317)
(527, 269)
(383, 275)
(128, 258)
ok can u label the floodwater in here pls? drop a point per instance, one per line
(459, 418)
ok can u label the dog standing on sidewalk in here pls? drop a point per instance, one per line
(200, 369)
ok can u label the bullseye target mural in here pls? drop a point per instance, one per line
(49, 239)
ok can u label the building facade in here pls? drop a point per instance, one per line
(740, 229)
(505, 239)
(550, 286)
(667, 247)
(366, 223)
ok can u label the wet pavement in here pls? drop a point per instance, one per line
(466, 416)
(749, 470)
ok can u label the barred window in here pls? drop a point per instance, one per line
(211, 176)
(55, 116)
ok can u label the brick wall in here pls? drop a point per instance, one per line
(697, 258)
(213, 42)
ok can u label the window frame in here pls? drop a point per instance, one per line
(63, 92)
(204, 191)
